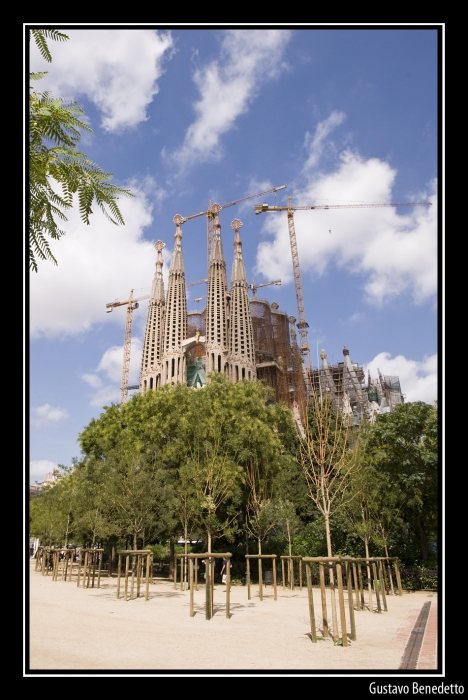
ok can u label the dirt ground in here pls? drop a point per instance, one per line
(73, 628)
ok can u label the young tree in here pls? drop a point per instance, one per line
(55, 163)
(328, 457)
(134, 493)
(329, 461)
(287, 520)
(260, 509)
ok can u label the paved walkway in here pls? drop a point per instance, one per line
(423, 656)
(428, 654)
(90, 629)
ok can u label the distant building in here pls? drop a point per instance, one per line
(345, 385)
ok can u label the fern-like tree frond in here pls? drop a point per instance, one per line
(40, 36)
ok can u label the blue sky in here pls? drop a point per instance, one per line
(183, 116)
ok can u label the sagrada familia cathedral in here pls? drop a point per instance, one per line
(245, 339)
(181, 347)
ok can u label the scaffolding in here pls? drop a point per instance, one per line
(343, 384)
(390, 392)
(279, 362)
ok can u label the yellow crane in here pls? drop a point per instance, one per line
(290, 209)
(254, 287)
(193, 284)
(210, 215)
(132, 304)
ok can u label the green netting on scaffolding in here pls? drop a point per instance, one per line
(392, 382)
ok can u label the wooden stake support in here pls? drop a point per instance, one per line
(209, 558)
(290, 560)
(142, 561)
(259, 558)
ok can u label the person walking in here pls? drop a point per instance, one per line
(224, 569)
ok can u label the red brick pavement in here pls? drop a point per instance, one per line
(428, 654)
(427, 659)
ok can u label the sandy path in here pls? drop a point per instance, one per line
(76, 628)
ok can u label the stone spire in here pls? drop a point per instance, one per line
(150, 376)
(242, 352)
(323, 357)
(327, 385)
(175, 327)
(217, 311)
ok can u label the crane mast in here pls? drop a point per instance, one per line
(132, 304)
(302, 321)
(127, 348)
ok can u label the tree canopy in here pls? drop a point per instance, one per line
(402, 450)
(223, 463)
(57, 170)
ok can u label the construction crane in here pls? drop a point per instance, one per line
(132, 304)
(254, 287)
(302, 322)
(210, 216)
(193, 284)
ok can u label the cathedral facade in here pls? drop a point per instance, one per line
(181, 347)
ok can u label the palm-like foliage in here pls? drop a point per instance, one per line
(57, 170)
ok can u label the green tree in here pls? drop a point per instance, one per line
(57, 170)
(202, 442)
(287, 521)
(93, 521)
(402, 446)
(51, 514)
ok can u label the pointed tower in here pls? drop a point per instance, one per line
(150, 375)
(175, 327)
(217, 309)
(241, 347)
(354, 398)
(326, 383)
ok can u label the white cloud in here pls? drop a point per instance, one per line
(111, 366)
(394, 253)
(96, 264)
(316, 144)
(117, 69)
(357, 317)
(248, 58)
(39, 468)
(93, 380)
(105, 396)
(112, 360)
(48, 415)
(418, 380)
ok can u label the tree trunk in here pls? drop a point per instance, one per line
(67, 531)
(171, 557)
(422, 535)
(185, 557)
(369, 575)
(327, 531)
(332, 578)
